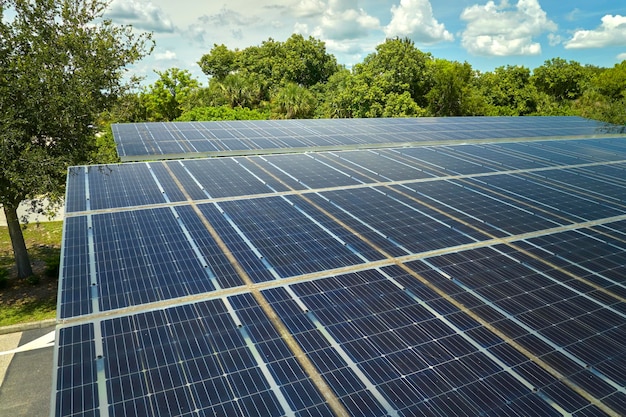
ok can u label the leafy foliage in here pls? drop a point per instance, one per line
(64, 65)
(293, 102)
(163, 100)
(399, 80)
(206, 114)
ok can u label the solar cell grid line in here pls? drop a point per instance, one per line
(400, 354)
(381, 132)
(555, 373)
(405, 241)
(598, 257)
(498, 160)
(345, 357)
(209, 356)
(222, 177)
(153, 261)
(432, 161)
(74, 290)
(110, 187)
(488, 212)
(585, 149)
(520, 348)
(579, 183)
(531, 153)
(584, 393)
(379, 161)
(259, 222)
(309, 171)
(75, 200)
(537, 330)
(304, 361)
(396, 224)
(75, 390)
(613, 173)
(572, 207)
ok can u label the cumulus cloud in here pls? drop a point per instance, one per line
(140, 14)
(226, 21)
(622, 57)
(554, 39)
(165, 56)
(504, 30)
(228, 17)
(309, 8)
(344, 20)
(612, 32)
(414, 19)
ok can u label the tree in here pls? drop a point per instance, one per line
(397, 66)
(61, 66)
(509, 92)
(306, 61)
(164, 98)
(612, 82)
(208, 113)
(242, 90)
(297, 60)
(560, 79)
(220, 62)
(452, 92)
(293, 102)
(605, 99)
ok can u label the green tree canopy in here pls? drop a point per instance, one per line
(297, 60)
(220, 62)
(560, 79)
(293, 102)
(61, 66)
(452, 91)
(397, 66)
(508, 91)
(163, 99)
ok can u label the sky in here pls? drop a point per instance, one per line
(487, 34)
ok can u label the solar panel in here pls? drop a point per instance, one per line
(457, 280)
(140, 141)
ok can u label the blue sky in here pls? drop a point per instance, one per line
(487, 34)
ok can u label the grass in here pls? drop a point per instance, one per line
(32, 299)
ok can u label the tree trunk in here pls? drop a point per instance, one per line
(22, 261)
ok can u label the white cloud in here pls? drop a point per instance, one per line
(612, 32)
(343, 20)
(165, 56)
(503, 30)
(309, 8)
(229, 17)
(555, 39)
(220, 26)
(140, 14)
(414, 18)
(301, 28)
(622, 57)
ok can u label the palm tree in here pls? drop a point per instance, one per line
(242, 91)
(293, 102)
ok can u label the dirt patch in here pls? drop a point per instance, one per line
(42, 288)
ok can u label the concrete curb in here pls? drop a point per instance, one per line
(21, 327)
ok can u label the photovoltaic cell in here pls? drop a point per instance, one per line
(483, 278)
(168, 140)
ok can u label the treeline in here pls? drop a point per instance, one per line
(298, 78)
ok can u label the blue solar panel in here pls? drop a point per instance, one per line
(457, 280)
(168, 140)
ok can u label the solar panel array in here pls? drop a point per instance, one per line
(150, 141)
(465, 280)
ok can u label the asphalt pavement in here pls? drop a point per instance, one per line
(26, 373)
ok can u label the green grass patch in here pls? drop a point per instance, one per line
(34, 298)
(28, 310)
